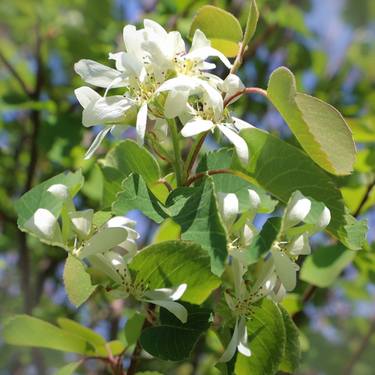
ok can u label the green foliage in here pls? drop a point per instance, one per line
(325, 264)
(267, 340)
(173, 340)
(251, 23)
(220, 27)
(196, 211)
(281, 169)
(68, 369)
(319, 128)
(74, 275)
(292, 353)
(171, 263)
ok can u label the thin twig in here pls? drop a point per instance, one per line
(191, 158)
(348, 369)
(364, 199)
(15, 74)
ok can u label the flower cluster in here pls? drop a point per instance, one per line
(160, 80)
(277, 272)
(108, 247)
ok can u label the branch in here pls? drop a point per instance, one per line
(15, 75)
(364, 199)
(348, 369)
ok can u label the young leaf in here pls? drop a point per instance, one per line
(68, 369)
(75, 328)
(220, 27)
(292, 352)
(125, 158)
(173, 263)
(196, 211)
(281, 169)
(173, 340)
(325, 264)
(24, 330)
(263, 241)
(319, 127)
(251, 23)
(77, 281)
(266, 341)
(133, 328)
(136, 195)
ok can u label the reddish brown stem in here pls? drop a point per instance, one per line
(246, 90)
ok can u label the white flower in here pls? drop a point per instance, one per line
(113, 234)
(254, 199)
(60, 191)
(231, 85)
(229, 207)
(44, 225)
(296, 211)
(324, 218)
(82, 222)
(166, 297)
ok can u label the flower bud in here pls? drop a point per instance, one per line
(324, 218)
(82, 221)
(254, 199)
(59, 191)
(44, 224)
(229, 207)
(300, 245)
(297, 210)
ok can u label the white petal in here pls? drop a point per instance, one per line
(229, 207)
(324, 218)
(175, 103)
(82, 221)
(127, 63)
(254, 199)
(154, 28)
(285, 269)
(199, 41)
(120, 221)
(300, 245)
(183, 83)
(60, 191)
(297, 209)
(44, 224)
(196, 126)
(86, 95)
(231, 85)
(103, 264)
(167, 293)
(103, 241)
(108, 110)
(175, 308)
(96, 143)
(97, 74)
(247, 235)
(242, 338)
(238, 142)
(141, 123)
(240, 124)
(205, 52)
(232, 346)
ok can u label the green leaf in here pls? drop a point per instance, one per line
(251, 23)
(172, 263)
(167, 231)
(319, 127)
(77, 281)
(136, 195)
(81, 331)
(266, 341)
(263, 241)
(325, 264)
(125, 158)
(39, 197)
(24, 330)
(227, 183)
(68, 369)
(173, 340)
(281, 169)
(292, 352)
(196, 211)
(220, 27)
(133, 328)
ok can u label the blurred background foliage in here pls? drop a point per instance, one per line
(330, 47)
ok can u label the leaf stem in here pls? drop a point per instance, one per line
(177, 151)
(198, 176)
(246, 90)
(193, 154)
